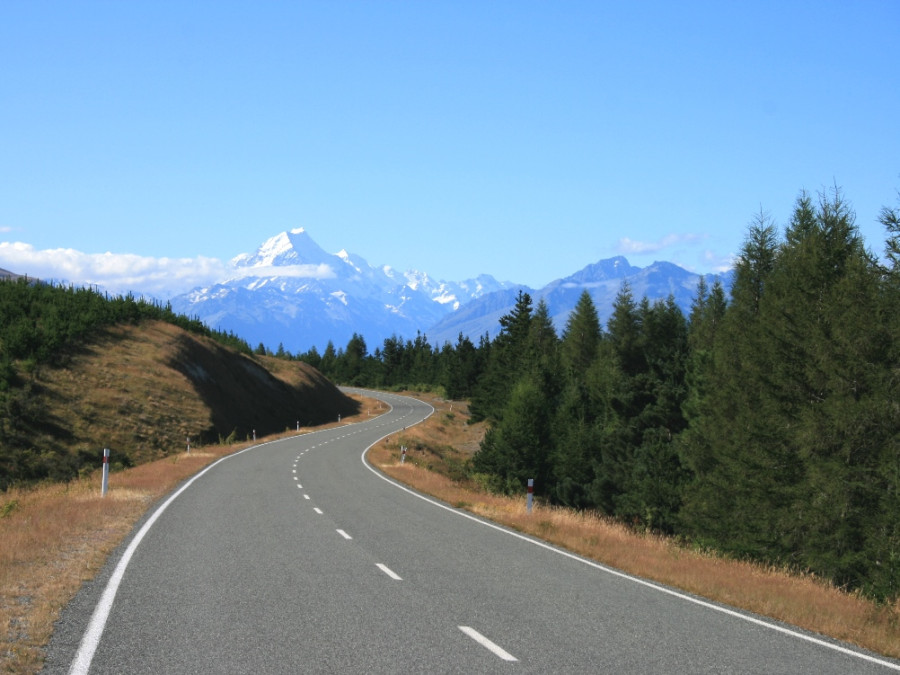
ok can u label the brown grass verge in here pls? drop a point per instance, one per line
(57, 536)
(439, 447)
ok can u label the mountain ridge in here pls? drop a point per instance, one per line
(292, 293)
(315, 297)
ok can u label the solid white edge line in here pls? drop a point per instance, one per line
(609, 570)
(81, 664)
(387, 570)
(484, 642)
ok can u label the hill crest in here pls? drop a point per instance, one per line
(142, 390)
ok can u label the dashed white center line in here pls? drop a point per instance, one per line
(487, 644)
(317, 510)
(299, 486)
(344, 534)
(305, 496)
(387, 570)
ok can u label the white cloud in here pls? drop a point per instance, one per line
(627, 245)
(117, 273)
(719, 263)
(321, 271)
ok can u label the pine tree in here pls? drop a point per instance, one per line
(827, 341)
(507, 361)
(516, 447)
(651, 491)
(577, 434)
(731, 446)
(581, 337)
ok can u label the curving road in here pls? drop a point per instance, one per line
(295, 556)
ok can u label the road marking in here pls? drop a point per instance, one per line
(387, 570)
(484, 642)
(91, 638)
(317, 510)
(794, 633)
(305, 496)
(299, 486)
(344, 534)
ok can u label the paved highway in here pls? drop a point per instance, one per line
(294, 556)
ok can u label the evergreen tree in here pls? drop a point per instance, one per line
(730, 435)
(516, 447)
(461, 368)
(506, 362)
(581, 337)
(329, 361)
(754, 264)
(352, 367)
(653, 476)
(826, 341)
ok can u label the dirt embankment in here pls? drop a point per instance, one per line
(143, 390)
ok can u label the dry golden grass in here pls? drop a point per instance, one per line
(57, 536)
(142, 389)
(54, 537)
(442, 443)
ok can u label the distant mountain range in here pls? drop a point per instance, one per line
(291, 292)
(603, 280)
(6, 274)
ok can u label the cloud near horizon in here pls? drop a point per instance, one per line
(321, 271)
(627, 245)
(117, 273)
(121, 273)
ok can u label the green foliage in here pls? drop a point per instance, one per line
(766, 426)
(793, 437)
(39, 324)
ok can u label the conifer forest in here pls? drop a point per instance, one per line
(765, 424)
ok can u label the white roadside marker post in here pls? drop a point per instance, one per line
(104, 488)
(189, 445)
(402, 454)
(254, 435)
(530, 493)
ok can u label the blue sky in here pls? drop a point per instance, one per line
(521, 139)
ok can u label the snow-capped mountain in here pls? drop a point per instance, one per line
(603, 280)
(292, 292)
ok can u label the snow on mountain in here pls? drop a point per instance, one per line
(603, 280)
(292, 292)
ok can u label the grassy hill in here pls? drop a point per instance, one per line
(141, 389)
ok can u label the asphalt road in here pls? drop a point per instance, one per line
(294, 556)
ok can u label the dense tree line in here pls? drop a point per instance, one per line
(765, 425)
(39, 322)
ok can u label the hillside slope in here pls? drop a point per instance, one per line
(142, 389)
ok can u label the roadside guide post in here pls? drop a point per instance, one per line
(530, 493)
(105, 485)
